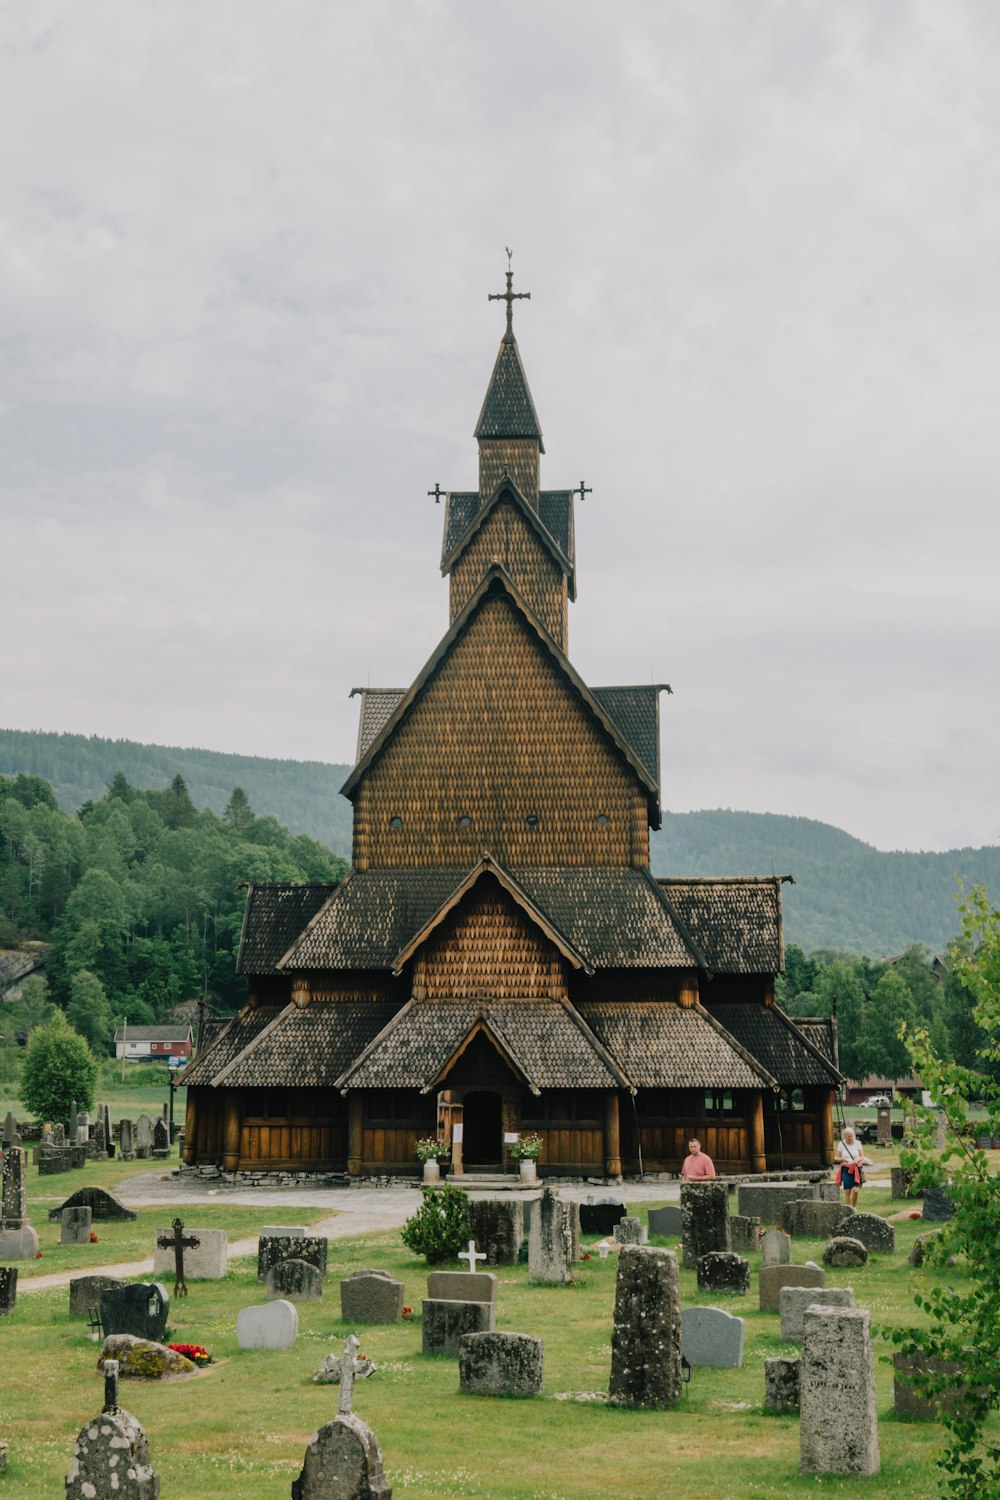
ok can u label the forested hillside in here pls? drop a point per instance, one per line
(847, 894)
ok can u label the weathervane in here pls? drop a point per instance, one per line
(509, 296)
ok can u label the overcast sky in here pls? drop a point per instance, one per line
(246, 250)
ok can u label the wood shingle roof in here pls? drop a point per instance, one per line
(229, 1043)
(508, 410)
(507, 491)
(661, 1045)
(782, 1048)
(273, 917)
(736, 923)
(309, 1045)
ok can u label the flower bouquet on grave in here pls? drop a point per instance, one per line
(527, 1148)
(431, 1148)
(196, 1353)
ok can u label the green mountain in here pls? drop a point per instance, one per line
(847, 894)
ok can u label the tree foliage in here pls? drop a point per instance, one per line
(441, 1226)
(58, 1068)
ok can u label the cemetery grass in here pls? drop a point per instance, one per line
(238, 1429)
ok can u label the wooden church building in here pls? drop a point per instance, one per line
(500, 957)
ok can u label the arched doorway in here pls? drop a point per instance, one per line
(482, 1138)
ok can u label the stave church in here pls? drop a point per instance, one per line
(500, 959)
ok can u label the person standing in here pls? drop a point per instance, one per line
(850, 1155)
(698, 1165)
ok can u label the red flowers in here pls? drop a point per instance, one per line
(585, 1256)
(407, 1314)
(39, 1255)
(194, 1352)
(93, 1238)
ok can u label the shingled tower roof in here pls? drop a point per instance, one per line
(508, 410)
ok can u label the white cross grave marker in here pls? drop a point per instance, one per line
(349, 1366)
(471, 1255)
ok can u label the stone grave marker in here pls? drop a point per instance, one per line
(14, 1200)
(781, 1384)
(838, 1432)
(811, 1218)
(901, 1183)
(205, 1253)
(105, 1114)
(111, 1456)
(174, 1244)
(770, 1280)
(775, 1247)
(766, 1200)
(910, 1401)
(874, 1232)
(75, 1226)
(8, 1290)
(498, 1225)
(295, 1280)
(11, 1135)
(630, 1231)
(98, 1139)
(143, 1137)
(83, 1128)
(374, 1297)
(646, 1342)
(144, 1359)
(140, 1308)
(332, 1367)
(712, 1337)
(59, 1159)
(553, 1244)
(724, 1272)
(102, 1205)
(666, 1220)
(343, 1460)
(918, 1254)
(85, 1293)
(828, 1192)
(500, 1364)
(794, 1300)
(273, 1248)
(161, 1141)
(937, 1205)
(126, 1146)
(743, 1232)
(705, 1220)
(600, 1218)
(461, 1286)
(268, 1325)
(18, 1244)
(74, 1121)
(842, 1251)
(284, 1231)
(444, 1323)
(883, 1127)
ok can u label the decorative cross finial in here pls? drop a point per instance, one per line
(437, 492)
(509, 296)
(471, 1255)
(583, 490)
(349, 1363)
(111, 1385)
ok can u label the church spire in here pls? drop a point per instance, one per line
(508, 431)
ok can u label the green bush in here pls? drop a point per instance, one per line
(441, 1226)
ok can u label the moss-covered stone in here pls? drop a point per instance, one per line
(142, 1359)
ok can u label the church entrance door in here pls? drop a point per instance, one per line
(482, 1137)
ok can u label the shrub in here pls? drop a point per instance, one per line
(441, 1226)
(58, 1068)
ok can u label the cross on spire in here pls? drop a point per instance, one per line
(583, 490)
(509, 296)
(437, 492)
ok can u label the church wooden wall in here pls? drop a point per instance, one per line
(516, 458)
(507, 537)
(488, 946)
(499, 735)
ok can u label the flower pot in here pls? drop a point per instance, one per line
(527, 1169)
(432, 1172)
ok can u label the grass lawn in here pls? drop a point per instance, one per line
(239, 1428)
(130, 1100)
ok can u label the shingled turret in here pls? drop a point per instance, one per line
(508, 431)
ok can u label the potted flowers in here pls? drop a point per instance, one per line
(526, 1150)
(432, 1151)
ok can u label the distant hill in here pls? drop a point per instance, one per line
(847, 893)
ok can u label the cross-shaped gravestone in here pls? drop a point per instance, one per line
(178, 1242)
(349, 1367)
(111, 1385)
(472, 1255)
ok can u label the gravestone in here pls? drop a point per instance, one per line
(843, 1251)
(102, 1205)
(98, 1139)
(498, 1226)
(207, 1259)
(111, 1456)
(75, 1226)
(918, 1254)
(766, 1200)
(461, 1286)
(781, 1384)
(666, 1220)
(85, 1293)
(883, 1126)
(828, 1192)
(58, 1133)
(296, 1280)
(444, 1323)
(139, 1308)
(875, 1233)
(911, 1400)
(553, 1244)
(712, 1337)
(600, 1218)
(18, 1244)
(14, 1200)
(646, 1342)
(83, 1128)
(724, 1272)
(59, 1159)
(811, 1218)
(937, 1205)
(105, 1114)
(770, 1280)
(74, 1120)
(161, 1141)
(630, 1231)
(343, 1460)
(500, 1364)
(144, 1359)
(743, 1232)
(332, 1368)
(901, 1183)
(268, 1325)
(704, 1220)
(283, 1232)
(143, 1137)
(775, 1247)
(126, 1146)
(794, 1300)
(10, 1132)
(273, 1248)
(838, 1433)
(373, 1297)
(8, 1290)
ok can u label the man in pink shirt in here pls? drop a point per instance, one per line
(698, 1166)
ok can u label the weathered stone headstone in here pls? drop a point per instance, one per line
(775, 1247)
(102, 1205)
(59, 1135)
(332, 1368)
(712, 1337)
(461, 1286)
(938, 1206)
(105, 1114)
(901, 1183)
(126, 1146)
(60, 1159)
(553, 1244)
(794, 1300)
(828, 1192)
(283, 1232)
(83, 1127)
(875, 1233)
(74, 1121)
(770, 1280)
(743, 1232)
(268, 1325)
(8, 1290)
(342, 1462)
(811, 1218)
(111, 1456)
(143, 1137)
(630, 1231)
(498, 1226)
(500, 1364)
(781, 1384)
(272, 1248)
(842, 1251)
(144, 1359)
(646, 1343)
(140, 1308)
(600, 1218)
(838, 1433)
(14, 1201)
(161, 1141)
(444, 1323)
(724, 1272)
(910, 1400)
(666, 1220)
(206, 1259)
(85, 1293)
(704, 1219)
(18, 1244)
(75, 1226)
(918, 1254)
(295, 1280)
(9, 1130)
(98, 1139)
(765, 1200)
(883, 1127)
(375, 1297)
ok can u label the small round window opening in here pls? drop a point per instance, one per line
(531, 821)
(603, 820)
(465, 821)
(395, 822)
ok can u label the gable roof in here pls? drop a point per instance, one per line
(775, 1039)
(273, 917)
(496, 583)
(508, 491)
(636, 711)
(508, 410)
(229, 1042)
(309, 1045)
(129, 1033)
(461, 507)
(663, 1045)
(377, 707)
(736, 922)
